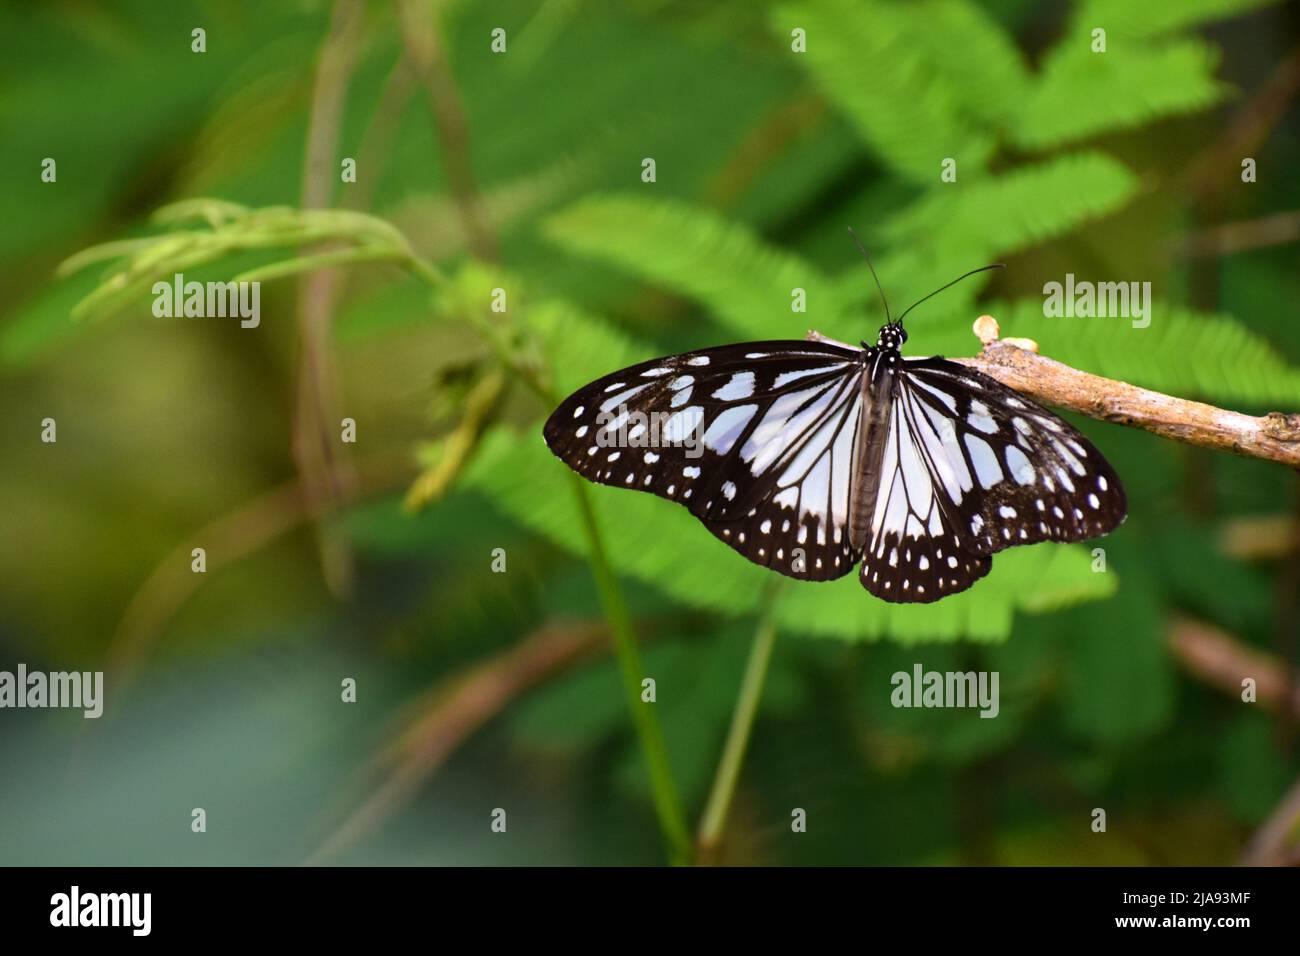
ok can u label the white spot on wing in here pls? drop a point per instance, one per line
(741, 385)
(987, 469)
(726, 428)
(1018, 463)
(785, 377)
(682, 424)
(621, 397)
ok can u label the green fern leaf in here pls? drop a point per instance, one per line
(963, 225)
(1009, 212)
(1082, 94)
(990, 78)
(745, 283)
(580, 347)
(870, 58)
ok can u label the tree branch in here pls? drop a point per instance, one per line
(1017, 364)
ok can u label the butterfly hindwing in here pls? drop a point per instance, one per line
(756, 440)
(966, 468)
(1022, 473)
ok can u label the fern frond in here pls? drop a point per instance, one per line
(1082, 94)
(961, 226)
(990, 78)
(875, 62)
(907, 273)
(580, 347)
(1006, 213)
(744, 282)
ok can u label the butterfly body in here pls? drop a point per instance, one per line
(811, 458)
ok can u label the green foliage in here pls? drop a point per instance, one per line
(867, 58)
(744, 282)
(1118, 682)
(951, 736)
(990, 78)
(1009, 212)
(222, 229)
(579, 346)
(1254, 778)
(1142, 76)
(1082, 94)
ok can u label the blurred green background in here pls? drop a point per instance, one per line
(522, 170)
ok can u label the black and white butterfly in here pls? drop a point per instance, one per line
(808, 457)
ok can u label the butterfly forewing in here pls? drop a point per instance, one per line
(757, 440)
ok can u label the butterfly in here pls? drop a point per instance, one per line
(813, 457)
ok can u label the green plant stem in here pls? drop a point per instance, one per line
(672, 820)
(667, 804)
(714, 822)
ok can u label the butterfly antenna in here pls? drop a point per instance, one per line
(863, 249)
(996, 265)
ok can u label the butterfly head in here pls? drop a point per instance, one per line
(891, 337)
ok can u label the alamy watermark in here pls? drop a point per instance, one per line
(178, 298)
(1086, 300)
(922, 688)
(75, 908)
(35, 689)
(631, 428)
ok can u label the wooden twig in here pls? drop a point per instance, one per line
(1017, 364)
(326, 476)
(424, 49)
